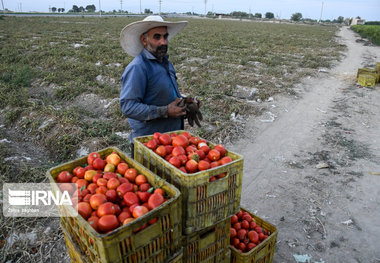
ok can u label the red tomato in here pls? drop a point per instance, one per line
(169, 149)
(234, 219)
(194, 140)
(201, 154)
(101, 190)
(156, 135)
(111, 195)
(124, 215)
(131, 174)
(101, 182)
(152, 144)
(107, 208)
(233, 232)
(180, 140)
(122, 168)
(214, 164)
(161, 150)
(242, 247)
(84, 209)
(140, 179)
(242, 234)
(251, 246)
(96, 200)
(108, 223)
(253, 236)
(178, 150)
(186, 134)
(139, 211)
(183, 159)
(235, 242)
(247, 217)
(175, 161)
(237, 226)
(81, 183)
(155, 200)
(258, 229)
(131, 198)
(80, 172)
(190, 149)
(93, 221)
(92, 156)
(96, 177)
(225, 160)
(203, 165)
(64, 177)
(212, 179)
(245, 224)
(143, 196)
(205, 149)
(213, 155)
(113, 183)
(99, 164)
(193, 156)
(221, 149)
(165, 139)
(191, 166)
(183, 169)
(123, 189)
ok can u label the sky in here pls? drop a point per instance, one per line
(332, 9)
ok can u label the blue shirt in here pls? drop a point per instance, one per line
(148, 86)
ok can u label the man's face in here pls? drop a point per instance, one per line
(156, 41)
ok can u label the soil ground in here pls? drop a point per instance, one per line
(326, 214)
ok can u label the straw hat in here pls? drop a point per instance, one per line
(130, 35)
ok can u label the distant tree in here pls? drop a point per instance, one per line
(75, 8)
(62, 10)
(81, 9)
(296, 17)
(358, 17)
(53, 9)
(90, 8)
(59, 10)
(258, 15)
(147, 11)
(239, 14)
(269, 15)
(340, 19)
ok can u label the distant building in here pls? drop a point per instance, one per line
(357, 21)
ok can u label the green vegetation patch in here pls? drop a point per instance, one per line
(372, 32)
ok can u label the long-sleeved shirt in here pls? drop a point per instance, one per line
(148, 86)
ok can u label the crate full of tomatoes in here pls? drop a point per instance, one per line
(126, 213)
(251, 238)
(208, 176)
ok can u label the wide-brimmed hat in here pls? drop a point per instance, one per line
(130, 35)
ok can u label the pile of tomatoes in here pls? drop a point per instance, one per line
(110, 193)
(190, 154)
(245, 234)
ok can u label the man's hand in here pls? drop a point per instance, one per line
(175, 111)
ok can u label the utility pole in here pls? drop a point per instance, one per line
(3, 5)
(320, 18)
(205, 7)
(121, 5)
(140, 7)
(159, 2)
(100, 10)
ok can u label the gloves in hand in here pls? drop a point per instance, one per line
(193, 114)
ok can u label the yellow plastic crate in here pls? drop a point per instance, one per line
(366, 80)
(156, 243)
(378, 70)
(368, 71)
(264, 252)
(77, 257)
(209, 245)
(203, 203)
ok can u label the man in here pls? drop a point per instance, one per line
(149, 95)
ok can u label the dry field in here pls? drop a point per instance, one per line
(60, 82)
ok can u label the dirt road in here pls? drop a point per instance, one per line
(329, 214)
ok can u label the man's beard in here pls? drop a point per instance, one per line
(160, 51)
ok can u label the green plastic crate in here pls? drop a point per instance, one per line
(209, 245)
(156, 243)
(204, 203)
(264, 252)
(366, 80)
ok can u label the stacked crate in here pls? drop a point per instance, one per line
(368, 77)
(158, 243)
(206, 206)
